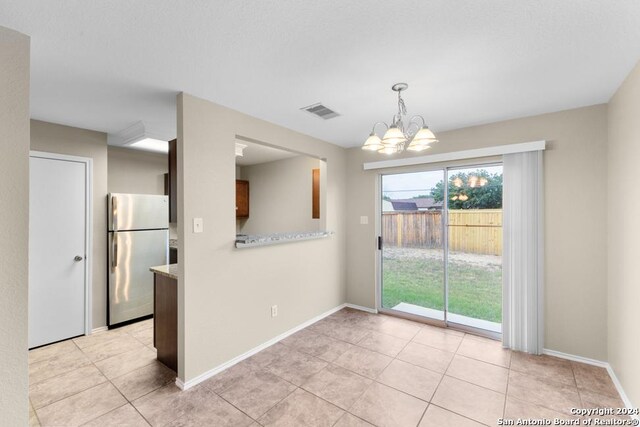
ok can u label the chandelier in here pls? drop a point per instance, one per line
(411, 135)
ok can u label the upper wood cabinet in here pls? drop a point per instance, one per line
(173, 181)
(315, 193)
(242, 199)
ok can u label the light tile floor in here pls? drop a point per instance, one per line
(349, 369)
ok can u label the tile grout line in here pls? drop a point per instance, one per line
(436, 387)
(408, 342)
(553, 383)
(240, 410)
(92, 363)
(310, 355)
(128, 402)
(262, 368)
(576, 381)
(57, 375)
(506, 391)
(460, 415)
(443, 374)
(34, 412)
(423, 414)
(65, 373)
(301, 386)
(509, 369)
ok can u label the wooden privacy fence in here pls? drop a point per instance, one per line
(477, 231)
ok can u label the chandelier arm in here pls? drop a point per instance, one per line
(421, 119)
(412, 129)
(396, 120)
(373, 129)
(413, 122)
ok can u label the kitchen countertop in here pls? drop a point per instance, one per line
(246, 241)
(169, 270)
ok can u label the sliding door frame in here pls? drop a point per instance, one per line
(379, 262)
(445, 168)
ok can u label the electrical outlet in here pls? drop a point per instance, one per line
(274, 310)
(364, 220)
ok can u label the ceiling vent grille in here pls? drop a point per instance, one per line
(321, 111)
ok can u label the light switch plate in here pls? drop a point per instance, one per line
(364, 220)
(198, 225)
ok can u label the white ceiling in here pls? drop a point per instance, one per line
(104, 65)
(254, 154)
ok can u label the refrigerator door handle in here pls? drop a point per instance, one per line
(114, 213)
(114, 258)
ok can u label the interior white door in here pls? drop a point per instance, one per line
(57, 258)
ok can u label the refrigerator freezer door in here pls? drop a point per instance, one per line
(137, 212)
(131, 253)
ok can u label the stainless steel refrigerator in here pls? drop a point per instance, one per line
(138, 239)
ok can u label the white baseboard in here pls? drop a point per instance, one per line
(606, 365)
(185, 385)
(575, 358)
(361, 308)
(100, 329)
(623, 395)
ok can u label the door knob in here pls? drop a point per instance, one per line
(78, 258)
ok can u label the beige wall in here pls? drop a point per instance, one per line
(225, 294)
(624, 235)
(280, 194)
(575, 210)
(60, 139)
(14, 226)
(136, 171)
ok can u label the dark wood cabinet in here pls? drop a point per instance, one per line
(242, 199)
(315, 193)
(165, 320)
(173, 181)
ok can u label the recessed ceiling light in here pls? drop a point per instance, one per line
(150, 144)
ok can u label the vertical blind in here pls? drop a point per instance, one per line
(523, 252)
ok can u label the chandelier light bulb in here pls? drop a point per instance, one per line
(418, 146)
(393, 136)
(425, 136)
(372, 143)
(388, 149)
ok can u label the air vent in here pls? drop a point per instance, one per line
(321, 111)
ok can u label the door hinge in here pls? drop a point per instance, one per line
(379, 243)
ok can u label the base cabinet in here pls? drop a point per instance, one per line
(165, 320)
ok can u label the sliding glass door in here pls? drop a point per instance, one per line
(474, 247)
(441, 245)
(412, 244)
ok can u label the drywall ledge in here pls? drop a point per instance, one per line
(249, 241)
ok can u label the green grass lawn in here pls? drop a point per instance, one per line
(474, 291)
